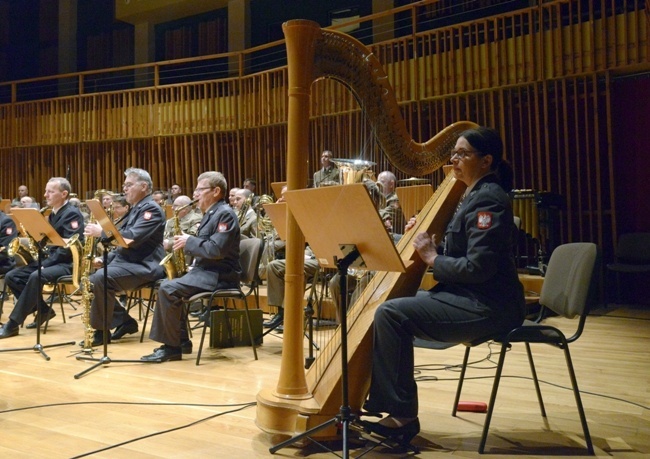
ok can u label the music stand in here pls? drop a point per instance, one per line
(412, 199)
(113, 237)
(277, 188)
(5, 206)
(43, 233)
(345, 230)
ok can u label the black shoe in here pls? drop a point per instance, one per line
(4, 296)
(98, 339)
(163, 353)
(7, 330)
(401, 435)
(41, 318)
(274, 321)
(127, 328)
(186, 346)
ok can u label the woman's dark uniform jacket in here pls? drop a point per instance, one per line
(482, 275)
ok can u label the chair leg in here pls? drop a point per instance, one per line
(576, 393)
(460, 380)
(61, 291)
(198, 354)
(535, 380)
(150, 304)
(250, 329)
(493, 396)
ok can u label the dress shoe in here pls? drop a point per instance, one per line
(7, 330)
(164, 353)
(41, 318)
(127, 328)
(401, 435)
(4, 296)
(98, 339)
(274, 321)
(186, 346)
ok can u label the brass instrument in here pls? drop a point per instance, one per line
(174, 262)
(301, 401)
(264, 224)
(243, 210)
(23, 247)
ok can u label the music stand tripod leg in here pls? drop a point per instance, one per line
(105, 359)
(345, 416)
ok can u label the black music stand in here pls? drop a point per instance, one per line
(43, 233)
(113, 237)
(346, 230)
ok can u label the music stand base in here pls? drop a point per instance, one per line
(105, 360)
(38, 347)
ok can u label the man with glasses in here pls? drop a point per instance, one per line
(131, 267)
(215, 249)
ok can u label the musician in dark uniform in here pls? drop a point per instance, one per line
(8, 233)
(215, 250)
(329, 172)
(478, 291)
(57, 261)
(131, 267)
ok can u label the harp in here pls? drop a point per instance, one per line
(302, 400)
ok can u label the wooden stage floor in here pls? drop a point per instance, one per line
(180, 410)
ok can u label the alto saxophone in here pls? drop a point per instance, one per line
(174, 262)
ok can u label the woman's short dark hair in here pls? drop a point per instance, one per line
(487, 141)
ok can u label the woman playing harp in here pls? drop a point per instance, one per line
(478, 291)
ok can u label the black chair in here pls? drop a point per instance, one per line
(566, 288)
(632, 257)
(250, 254)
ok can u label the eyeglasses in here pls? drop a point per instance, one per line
(201, 189)
(127, 185)
(462, 154)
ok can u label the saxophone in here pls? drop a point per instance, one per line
(174, 262)
(87, 252)
(87, 295)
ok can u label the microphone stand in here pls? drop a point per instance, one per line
(345, 415)
(105, 359)
(38, 347)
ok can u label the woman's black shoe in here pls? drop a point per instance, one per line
(401, 435)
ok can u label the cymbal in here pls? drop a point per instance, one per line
(413, 181)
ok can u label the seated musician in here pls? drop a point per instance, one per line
(121, 207)
(275, 272)
(22, 192)
(478, 291)
(8, 233)
(328, 173)
(390, 209)
(131, 267)
(57, 261)
(188, 221)
(215, 249)
(245, 213)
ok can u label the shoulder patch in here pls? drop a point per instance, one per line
(484, 220)
(74, 224)
(9, 231)
(222, 227)
(147, 215)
